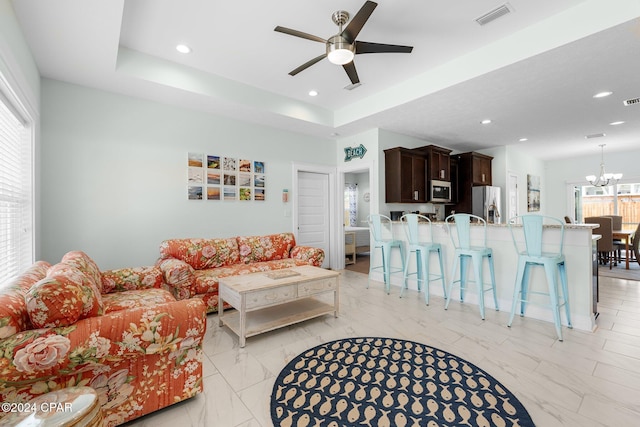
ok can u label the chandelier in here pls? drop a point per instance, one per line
(603, 179)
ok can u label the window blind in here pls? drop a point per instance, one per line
(16, 193)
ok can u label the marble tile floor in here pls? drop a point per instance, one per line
(589, 379)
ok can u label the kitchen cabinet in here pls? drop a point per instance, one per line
(405, 176)
(439, 162)
(473, 169)
(481, 167)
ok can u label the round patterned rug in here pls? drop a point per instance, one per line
(389, 382)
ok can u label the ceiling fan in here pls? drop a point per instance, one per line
(341, 48)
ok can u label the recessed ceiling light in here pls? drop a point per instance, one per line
(616, 123)
(313, 93)
(334, 134)
(523, 139)
(602, 94)
(485, 121)
(183, 48)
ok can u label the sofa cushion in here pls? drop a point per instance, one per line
(54, 301)
(14, 317)
(202, 253)
(129, 279)
(139, 298)
(84, 263)
(265, 248)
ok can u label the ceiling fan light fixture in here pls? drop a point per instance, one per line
(339, 51)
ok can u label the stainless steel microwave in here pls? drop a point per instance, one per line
(440, 191)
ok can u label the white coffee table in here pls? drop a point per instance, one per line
(276, 299)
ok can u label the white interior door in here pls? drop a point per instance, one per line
(313, 212)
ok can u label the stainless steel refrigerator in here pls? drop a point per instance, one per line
(486, 203)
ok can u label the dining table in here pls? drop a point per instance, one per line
(625, 235)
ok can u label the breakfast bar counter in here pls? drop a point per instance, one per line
(578, 251)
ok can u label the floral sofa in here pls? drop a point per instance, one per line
(192, 267)
(116, 331)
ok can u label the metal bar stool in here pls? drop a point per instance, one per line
(382, 237)
(553, 263)
(422, 251)
(464, 253)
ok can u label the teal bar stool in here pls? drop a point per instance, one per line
(422, 251)
(465, 253)
(553, 262)
(381, 229)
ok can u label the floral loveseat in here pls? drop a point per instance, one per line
(116, 331)
(192, 267)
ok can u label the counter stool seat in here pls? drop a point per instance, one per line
(382, 236)
(553, 262)
(422, 250)
(465, 252)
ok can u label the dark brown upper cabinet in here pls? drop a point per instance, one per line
(405, 176)
(439, 162)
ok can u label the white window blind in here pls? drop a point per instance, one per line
(16, 193)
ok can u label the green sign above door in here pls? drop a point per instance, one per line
(353, 152)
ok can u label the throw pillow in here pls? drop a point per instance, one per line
(54, 302)
(92, 304)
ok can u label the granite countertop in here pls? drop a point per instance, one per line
(566, 226)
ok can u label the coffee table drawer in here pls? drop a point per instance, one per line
(317, 286)
(271, 296)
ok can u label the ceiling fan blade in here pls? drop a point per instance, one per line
(368, 47)
(300, 34)
(357, 22)
(350, 68)
(308, 64)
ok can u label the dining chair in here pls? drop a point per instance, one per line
(635, 244)
(616, 223)
(465, 252)
(606, 248)
(551, 257)
(383, 238)
(423, 250)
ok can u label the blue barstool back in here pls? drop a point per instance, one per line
(382, 234)
(552, 260)
(422, 250)
(465, 252)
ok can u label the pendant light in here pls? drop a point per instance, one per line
(603, 179)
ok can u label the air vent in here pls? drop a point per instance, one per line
(632, 101)
(353, 86)
(595, 135)
(494, 14)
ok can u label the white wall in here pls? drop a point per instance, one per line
(114, 175)
(511, 159)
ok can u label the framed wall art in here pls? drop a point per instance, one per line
(224, 178)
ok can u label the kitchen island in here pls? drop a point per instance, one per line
(578, 251)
